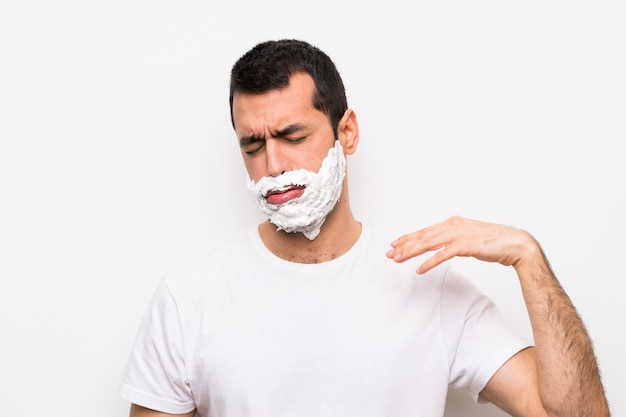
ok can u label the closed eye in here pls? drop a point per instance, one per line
(255, 150)
(295, 140)
(294, 133)
(251, 144)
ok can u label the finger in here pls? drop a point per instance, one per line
(422, 234)
(410, 250)
(418, 243)
(438, 258)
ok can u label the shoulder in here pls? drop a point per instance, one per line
(404, 274)
(379, 242)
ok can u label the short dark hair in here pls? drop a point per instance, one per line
(269, 65)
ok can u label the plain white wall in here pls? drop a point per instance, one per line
(118, 162)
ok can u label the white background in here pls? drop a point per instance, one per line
(118, 162)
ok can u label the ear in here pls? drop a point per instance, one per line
(348, 132)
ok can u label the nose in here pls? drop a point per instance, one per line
(276, 162)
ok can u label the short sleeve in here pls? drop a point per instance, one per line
(155, 375)
(479, 343)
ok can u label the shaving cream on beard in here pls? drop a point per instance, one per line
(306, 213)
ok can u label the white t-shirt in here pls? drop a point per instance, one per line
(239, 332)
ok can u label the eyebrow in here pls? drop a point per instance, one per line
(280, 133)
(250, 139)
(288, 130)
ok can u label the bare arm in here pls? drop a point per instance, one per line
(139, 411)
(569, 378)
(560, 376)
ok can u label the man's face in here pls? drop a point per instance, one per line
(281, 131)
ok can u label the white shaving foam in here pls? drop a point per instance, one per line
(307, 213)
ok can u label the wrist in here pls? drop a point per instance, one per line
(531, 255)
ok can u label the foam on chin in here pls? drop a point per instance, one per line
(307, 213)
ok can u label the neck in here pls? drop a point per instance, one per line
(338, 234)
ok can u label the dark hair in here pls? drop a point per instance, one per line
(269, 66)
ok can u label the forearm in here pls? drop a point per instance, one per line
(568, 375)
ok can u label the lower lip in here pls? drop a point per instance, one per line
(281, 198)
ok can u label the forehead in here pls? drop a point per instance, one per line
(275, 107)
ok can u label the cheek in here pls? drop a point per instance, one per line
(312, 161)
(255, 169)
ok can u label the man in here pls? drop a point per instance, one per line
(307, 316)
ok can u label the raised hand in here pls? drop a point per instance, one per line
(459, 236)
